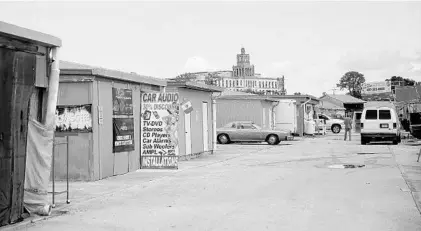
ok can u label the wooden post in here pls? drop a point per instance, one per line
(67, 169)
(54, 176)
(52, 91)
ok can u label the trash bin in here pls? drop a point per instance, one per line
(309, 127)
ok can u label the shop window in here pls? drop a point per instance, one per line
(308, 109)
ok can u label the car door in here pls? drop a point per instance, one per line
(371, 121)
(238, 133)
(232, 132)
(251, 133)
(327, 121)
(385, 119)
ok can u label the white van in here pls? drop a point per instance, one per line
(378, 124)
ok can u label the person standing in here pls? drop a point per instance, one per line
(348, 126)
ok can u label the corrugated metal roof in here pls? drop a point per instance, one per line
(228, 92)
(247, 97)
(21, 33)
(408, 94)
(299, 98)
(328, 105)
(195, 86)
(72, 68)
(346, 99)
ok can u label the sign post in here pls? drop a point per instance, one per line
(70, 121)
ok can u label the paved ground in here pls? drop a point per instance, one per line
(260, 187)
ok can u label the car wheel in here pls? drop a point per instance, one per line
(223, 139)
(273, 140)
(336, 128)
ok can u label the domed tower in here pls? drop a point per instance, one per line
(243, 67)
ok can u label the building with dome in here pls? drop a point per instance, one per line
(243, 78)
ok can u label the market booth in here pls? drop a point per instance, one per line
(196, 130)
(304, 112)
(255, 108)
(98, 121)
(28, 93)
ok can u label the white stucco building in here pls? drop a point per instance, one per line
(243, 78)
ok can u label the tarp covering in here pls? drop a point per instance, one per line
(38, 168)
(409, 94)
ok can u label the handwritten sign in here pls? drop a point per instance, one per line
(377, 91)
(123, 135)
(159, 131)
(122, 101)
(376, 88)
(74, 118)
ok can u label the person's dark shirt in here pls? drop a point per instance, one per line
(348, 123)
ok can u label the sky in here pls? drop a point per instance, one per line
(312, 44)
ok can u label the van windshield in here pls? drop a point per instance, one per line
(385, 115)
(371, 115)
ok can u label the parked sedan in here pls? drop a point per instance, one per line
(247, 131)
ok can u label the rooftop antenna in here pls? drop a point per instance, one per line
(333, 90)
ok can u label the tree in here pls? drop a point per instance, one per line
(297, 93)
(352, 81)
(185, 77)
(210, 78)
(400, 81)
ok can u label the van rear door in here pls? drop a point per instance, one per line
(371, 120)
(385, 119)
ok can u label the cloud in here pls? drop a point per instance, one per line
(196, 64)
(383, 64)
(276, 69)
(416, 63)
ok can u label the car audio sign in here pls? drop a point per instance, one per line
(159, 138)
